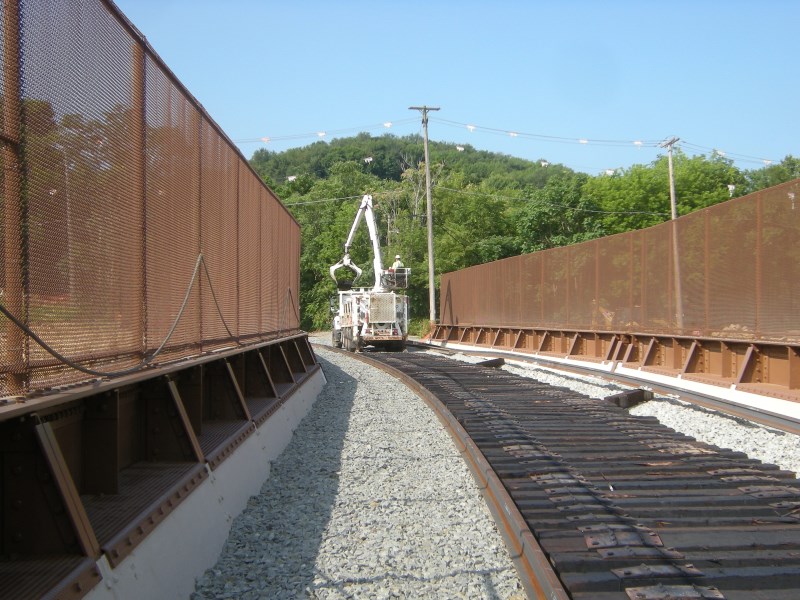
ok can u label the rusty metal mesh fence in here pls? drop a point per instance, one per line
(132, 230)
(729, 271)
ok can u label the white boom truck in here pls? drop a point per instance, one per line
(376, 316)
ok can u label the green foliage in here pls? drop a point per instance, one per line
(704, 181)
(786, 170)
(392, 156)
(637, 198)
(558, 214)
(419, 326)
(486, 206)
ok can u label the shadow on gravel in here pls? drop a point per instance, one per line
(273, 544)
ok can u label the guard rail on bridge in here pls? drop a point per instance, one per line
(133, 231)
(150, 347)
(713, 296)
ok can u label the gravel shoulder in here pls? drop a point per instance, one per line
(370, 499)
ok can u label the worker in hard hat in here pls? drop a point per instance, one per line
(397, 264)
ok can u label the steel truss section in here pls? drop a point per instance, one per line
(91, 471)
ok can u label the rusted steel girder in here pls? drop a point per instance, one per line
(92, 470)
(765, 368)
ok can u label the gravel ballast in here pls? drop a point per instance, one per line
(370, 499)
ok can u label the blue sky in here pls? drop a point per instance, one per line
(720, 75)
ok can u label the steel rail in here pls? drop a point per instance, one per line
(533, 567)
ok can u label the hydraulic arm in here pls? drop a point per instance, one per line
(366, 212)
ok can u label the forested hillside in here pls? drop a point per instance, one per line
(486, 206)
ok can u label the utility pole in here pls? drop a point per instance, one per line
(431, 283)
(675, 255)
(672, 201)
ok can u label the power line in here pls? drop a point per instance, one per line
(741, 157)
(320, 201)
(324, 132)
(514, 133)
(499, 197)
(640, 143)
(550, 138)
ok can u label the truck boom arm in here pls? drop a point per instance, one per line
(366, 211)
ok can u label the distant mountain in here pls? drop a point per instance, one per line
(388, 156)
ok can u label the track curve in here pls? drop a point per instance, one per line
(598, 504)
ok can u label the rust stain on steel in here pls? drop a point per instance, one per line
(625, 298)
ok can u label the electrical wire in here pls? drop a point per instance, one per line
(549, 138)
(740, 157)
(618, 143)
(598, 142)
(320, 201)
(502, 197)
(638, 143)
(325, 132)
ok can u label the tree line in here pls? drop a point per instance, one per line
(486, 206)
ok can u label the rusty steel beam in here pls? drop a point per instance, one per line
(237, 389)
(57, 396)
(121, 455)
(766, 368)
(64, 482)
(268, 375)
(184, 417)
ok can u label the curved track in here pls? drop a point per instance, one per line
(775, 420)
(619, 506)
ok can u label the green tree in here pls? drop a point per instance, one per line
(471, 223)
(487, 206)
(558, 214)
(634, 199)
(770, 175)
(639, 196)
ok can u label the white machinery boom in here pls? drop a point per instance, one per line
(366, 212)
(364, 316)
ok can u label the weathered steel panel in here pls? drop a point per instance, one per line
(130, 224)
(730, 271)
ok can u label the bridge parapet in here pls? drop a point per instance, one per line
(134, 232)
(713, 295)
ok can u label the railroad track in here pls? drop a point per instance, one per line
(597, 504)
(774, 420)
